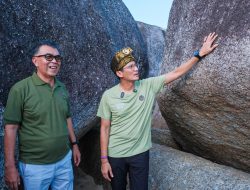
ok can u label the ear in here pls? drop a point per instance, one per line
(119, 74)
(34, 61)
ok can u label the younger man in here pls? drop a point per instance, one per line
(125, 112)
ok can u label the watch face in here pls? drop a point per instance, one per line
(196, 53)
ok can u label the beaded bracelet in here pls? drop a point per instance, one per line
(104, 157)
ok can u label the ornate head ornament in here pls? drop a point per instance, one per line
(122, 58)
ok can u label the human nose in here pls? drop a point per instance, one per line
(136, 67)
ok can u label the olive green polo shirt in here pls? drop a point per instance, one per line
(130, 116)
(41, 112)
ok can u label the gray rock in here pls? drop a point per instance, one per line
(157, 119)
(84, 181)
(163, 137)
(208, 110)
(160, 131)
(176, 170)
(154, 37)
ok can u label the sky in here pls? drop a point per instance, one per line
(154, 12)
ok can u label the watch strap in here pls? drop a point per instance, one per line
(197, 54)
(75, 142)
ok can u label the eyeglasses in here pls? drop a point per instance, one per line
(50, 57)
(131, 67)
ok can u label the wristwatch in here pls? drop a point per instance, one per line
(197, 54)
(75, 142)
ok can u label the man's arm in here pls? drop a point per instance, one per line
(206, 48)
(12, 178)
(104, 140)
(72, 138)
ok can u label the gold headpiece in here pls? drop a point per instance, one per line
(122, 58)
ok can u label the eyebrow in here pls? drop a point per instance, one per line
(131, 64)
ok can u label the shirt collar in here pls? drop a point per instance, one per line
(39, 81)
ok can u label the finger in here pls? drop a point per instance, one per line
(75, 162)
(106, 176)
(111, 173)
(15, 186)
(78, 161)
(205, 39)
(79, 158)
(18, 180)
(214, 37)
(210, 36)
(214, 46)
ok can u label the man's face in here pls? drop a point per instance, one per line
(130, 72)
(47, 65)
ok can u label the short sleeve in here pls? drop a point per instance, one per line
(156, 83)
(14, 107)
(104, 108)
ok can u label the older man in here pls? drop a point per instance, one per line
(125, 112)
(38, 109)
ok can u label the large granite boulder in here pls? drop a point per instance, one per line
(176, 170)
(89, 32)
(208, 110)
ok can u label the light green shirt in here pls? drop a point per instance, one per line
(42, 114)
(130, 116)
